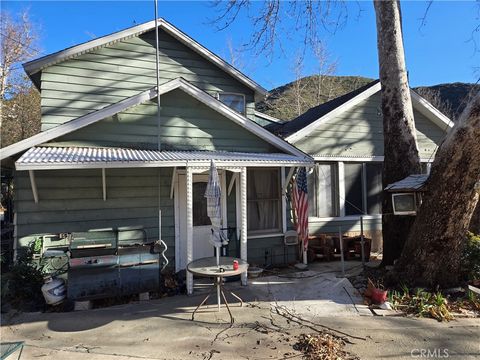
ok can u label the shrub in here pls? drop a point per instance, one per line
(471, 257)
(21, 285)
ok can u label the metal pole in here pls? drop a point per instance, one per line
(362, 241)
(340, 237)
(157, 66)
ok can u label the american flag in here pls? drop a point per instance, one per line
(300, 205)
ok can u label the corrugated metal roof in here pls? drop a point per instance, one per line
(83, 157)
(410, 183)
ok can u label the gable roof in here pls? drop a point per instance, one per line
(110, 110)
(34, 66)
(301, 126)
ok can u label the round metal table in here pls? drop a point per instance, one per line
(207, 267)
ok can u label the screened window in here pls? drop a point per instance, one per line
(200, 216)
(322, 191)
(264, 200)
(233, 101)
(374, 188)
(354, 189)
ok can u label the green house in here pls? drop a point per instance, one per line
(105, 158)
(345, 138)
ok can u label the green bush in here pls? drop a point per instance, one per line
(471, 257)
(21, 285)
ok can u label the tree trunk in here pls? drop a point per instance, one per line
(400, 144)
(431, 256)
(475, 221)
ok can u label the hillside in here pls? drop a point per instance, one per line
(290, 100)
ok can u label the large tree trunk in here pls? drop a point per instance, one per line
(400, 143)
(431, 255)
(475, 221)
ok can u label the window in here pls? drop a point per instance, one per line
(363, 188)
(354, 189)
(374, 188)
(200, 216)
(233, 101)
(322, 191)
(264, 201)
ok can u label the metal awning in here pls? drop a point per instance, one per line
(51, 158)
(411, 183)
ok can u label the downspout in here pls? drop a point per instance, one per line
(157, 65)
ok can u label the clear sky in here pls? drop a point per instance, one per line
(438, 52)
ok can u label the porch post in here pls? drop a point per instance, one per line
(189, 181)
(243, 216)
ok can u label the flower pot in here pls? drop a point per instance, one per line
(379, 296)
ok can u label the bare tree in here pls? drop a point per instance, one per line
(400, 143)
(18, 41)
(19, 100)
(433, 249)
(325, 68)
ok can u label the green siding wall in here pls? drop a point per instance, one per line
(352, 225)
(73, 201)
(359, 132)
(105, 76)
(187, 124)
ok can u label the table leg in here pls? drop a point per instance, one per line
(237, 297)
(218, 291)
(203, 302)
(228, 308)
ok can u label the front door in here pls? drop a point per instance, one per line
(201, 221)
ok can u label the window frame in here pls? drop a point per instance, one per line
(335, 188)
(281, 208)
(340, 187)
(244, 113)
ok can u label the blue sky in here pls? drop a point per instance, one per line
(439, 52)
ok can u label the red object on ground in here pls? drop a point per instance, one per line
(379, 296)
(235, 264)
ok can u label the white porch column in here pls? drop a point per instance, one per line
(243, 216)
(189, 183)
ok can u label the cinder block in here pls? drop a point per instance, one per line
(82, 305)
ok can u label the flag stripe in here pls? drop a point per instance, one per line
(300, 205)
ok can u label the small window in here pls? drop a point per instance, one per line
(233, 101)
(200, 216)
(264, 201)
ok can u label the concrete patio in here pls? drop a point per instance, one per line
(162, 329)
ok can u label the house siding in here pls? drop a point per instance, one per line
(110, 74)
(72, 200)
(359, 132)
(186, 124)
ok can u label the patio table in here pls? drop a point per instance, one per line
(207, 267)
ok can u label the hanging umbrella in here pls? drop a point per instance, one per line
(213, 193)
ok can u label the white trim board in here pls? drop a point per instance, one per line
(327, 158)
(37, 65)
(178, 83)
(418, 103)
(268, 117)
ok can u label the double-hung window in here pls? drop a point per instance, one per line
(233, 101)
(264, 201)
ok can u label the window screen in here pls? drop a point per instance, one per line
(374, 188)
(264, 200)
(353, 189)
(200, 216)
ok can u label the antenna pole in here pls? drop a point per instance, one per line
(157, 65)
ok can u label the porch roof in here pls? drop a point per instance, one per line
(51, 158)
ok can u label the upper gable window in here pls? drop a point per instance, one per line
(233, 101)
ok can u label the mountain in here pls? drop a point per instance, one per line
(288, 101)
